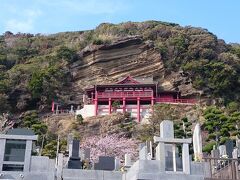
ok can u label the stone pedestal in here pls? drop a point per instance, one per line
(2, 149)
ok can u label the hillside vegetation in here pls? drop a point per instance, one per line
(36, 69)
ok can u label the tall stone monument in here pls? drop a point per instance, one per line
(197, 143)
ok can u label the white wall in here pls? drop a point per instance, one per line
(87, 111)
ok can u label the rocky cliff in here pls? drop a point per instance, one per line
(99, 64)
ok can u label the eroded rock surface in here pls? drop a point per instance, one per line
(99, 64)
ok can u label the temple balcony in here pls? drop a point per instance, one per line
(132, 94)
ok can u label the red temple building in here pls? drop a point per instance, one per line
(133, 95)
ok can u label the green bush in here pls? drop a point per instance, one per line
(66, 53)
(212, 136)
(79, 119)
(207, 148)
(97, 41)
(223, 140)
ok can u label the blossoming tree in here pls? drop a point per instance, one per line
(110, 145)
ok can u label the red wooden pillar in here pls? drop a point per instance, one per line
(152, 101)
(138, 109)
(152, 104)
(53, 106)
(96, 106)
(96, 101)
(109, 106)
(124, 105)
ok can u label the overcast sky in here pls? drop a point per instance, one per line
(222, 17)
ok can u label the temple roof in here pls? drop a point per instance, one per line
(145, 80)
(136, 80)
(129, 81)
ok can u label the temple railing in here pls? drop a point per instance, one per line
(181, 101)
(124, 94)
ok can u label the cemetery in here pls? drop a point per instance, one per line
(166, 157)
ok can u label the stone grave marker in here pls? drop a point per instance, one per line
(166, 129)
(117, 164)
(197, 143)
(238, 145)
(167, 152)
(235, 153)
(229, 148)
(127, 160)
(69, 144)
(105, 163)
(86, 153)
(222, 150)
(149, 150)
(215, 153)
(74, 160)
(143, 153)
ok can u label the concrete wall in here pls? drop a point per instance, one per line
(77, 174)
(89, 111)
(42, 164)
(27, 176)
(151, 170)
(41, 168)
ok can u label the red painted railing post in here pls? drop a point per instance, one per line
(138, 109)
(124, 105)
(96, 106)
(109, 106)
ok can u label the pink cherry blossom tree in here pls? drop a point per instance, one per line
(110, 145)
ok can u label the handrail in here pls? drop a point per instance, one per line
(223, 168)
(124, 94)
(170, 100)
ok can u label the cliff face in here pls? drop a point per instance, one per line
(106, 63)
(99, 64)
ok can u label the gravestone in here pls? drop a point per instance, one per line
(127, 160)
(86, 154)
(169, 157)
(197, 143)
(229, 148)
(74, 160)
(166, 129)
(235, 153)
(75, 148)
(143, 154)
(117, 164)
(166, 151)
(238, 145)
(215, 153)
(140, 146)
(149, 150)
(105, 163)
(222, 150)
(69, 144)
